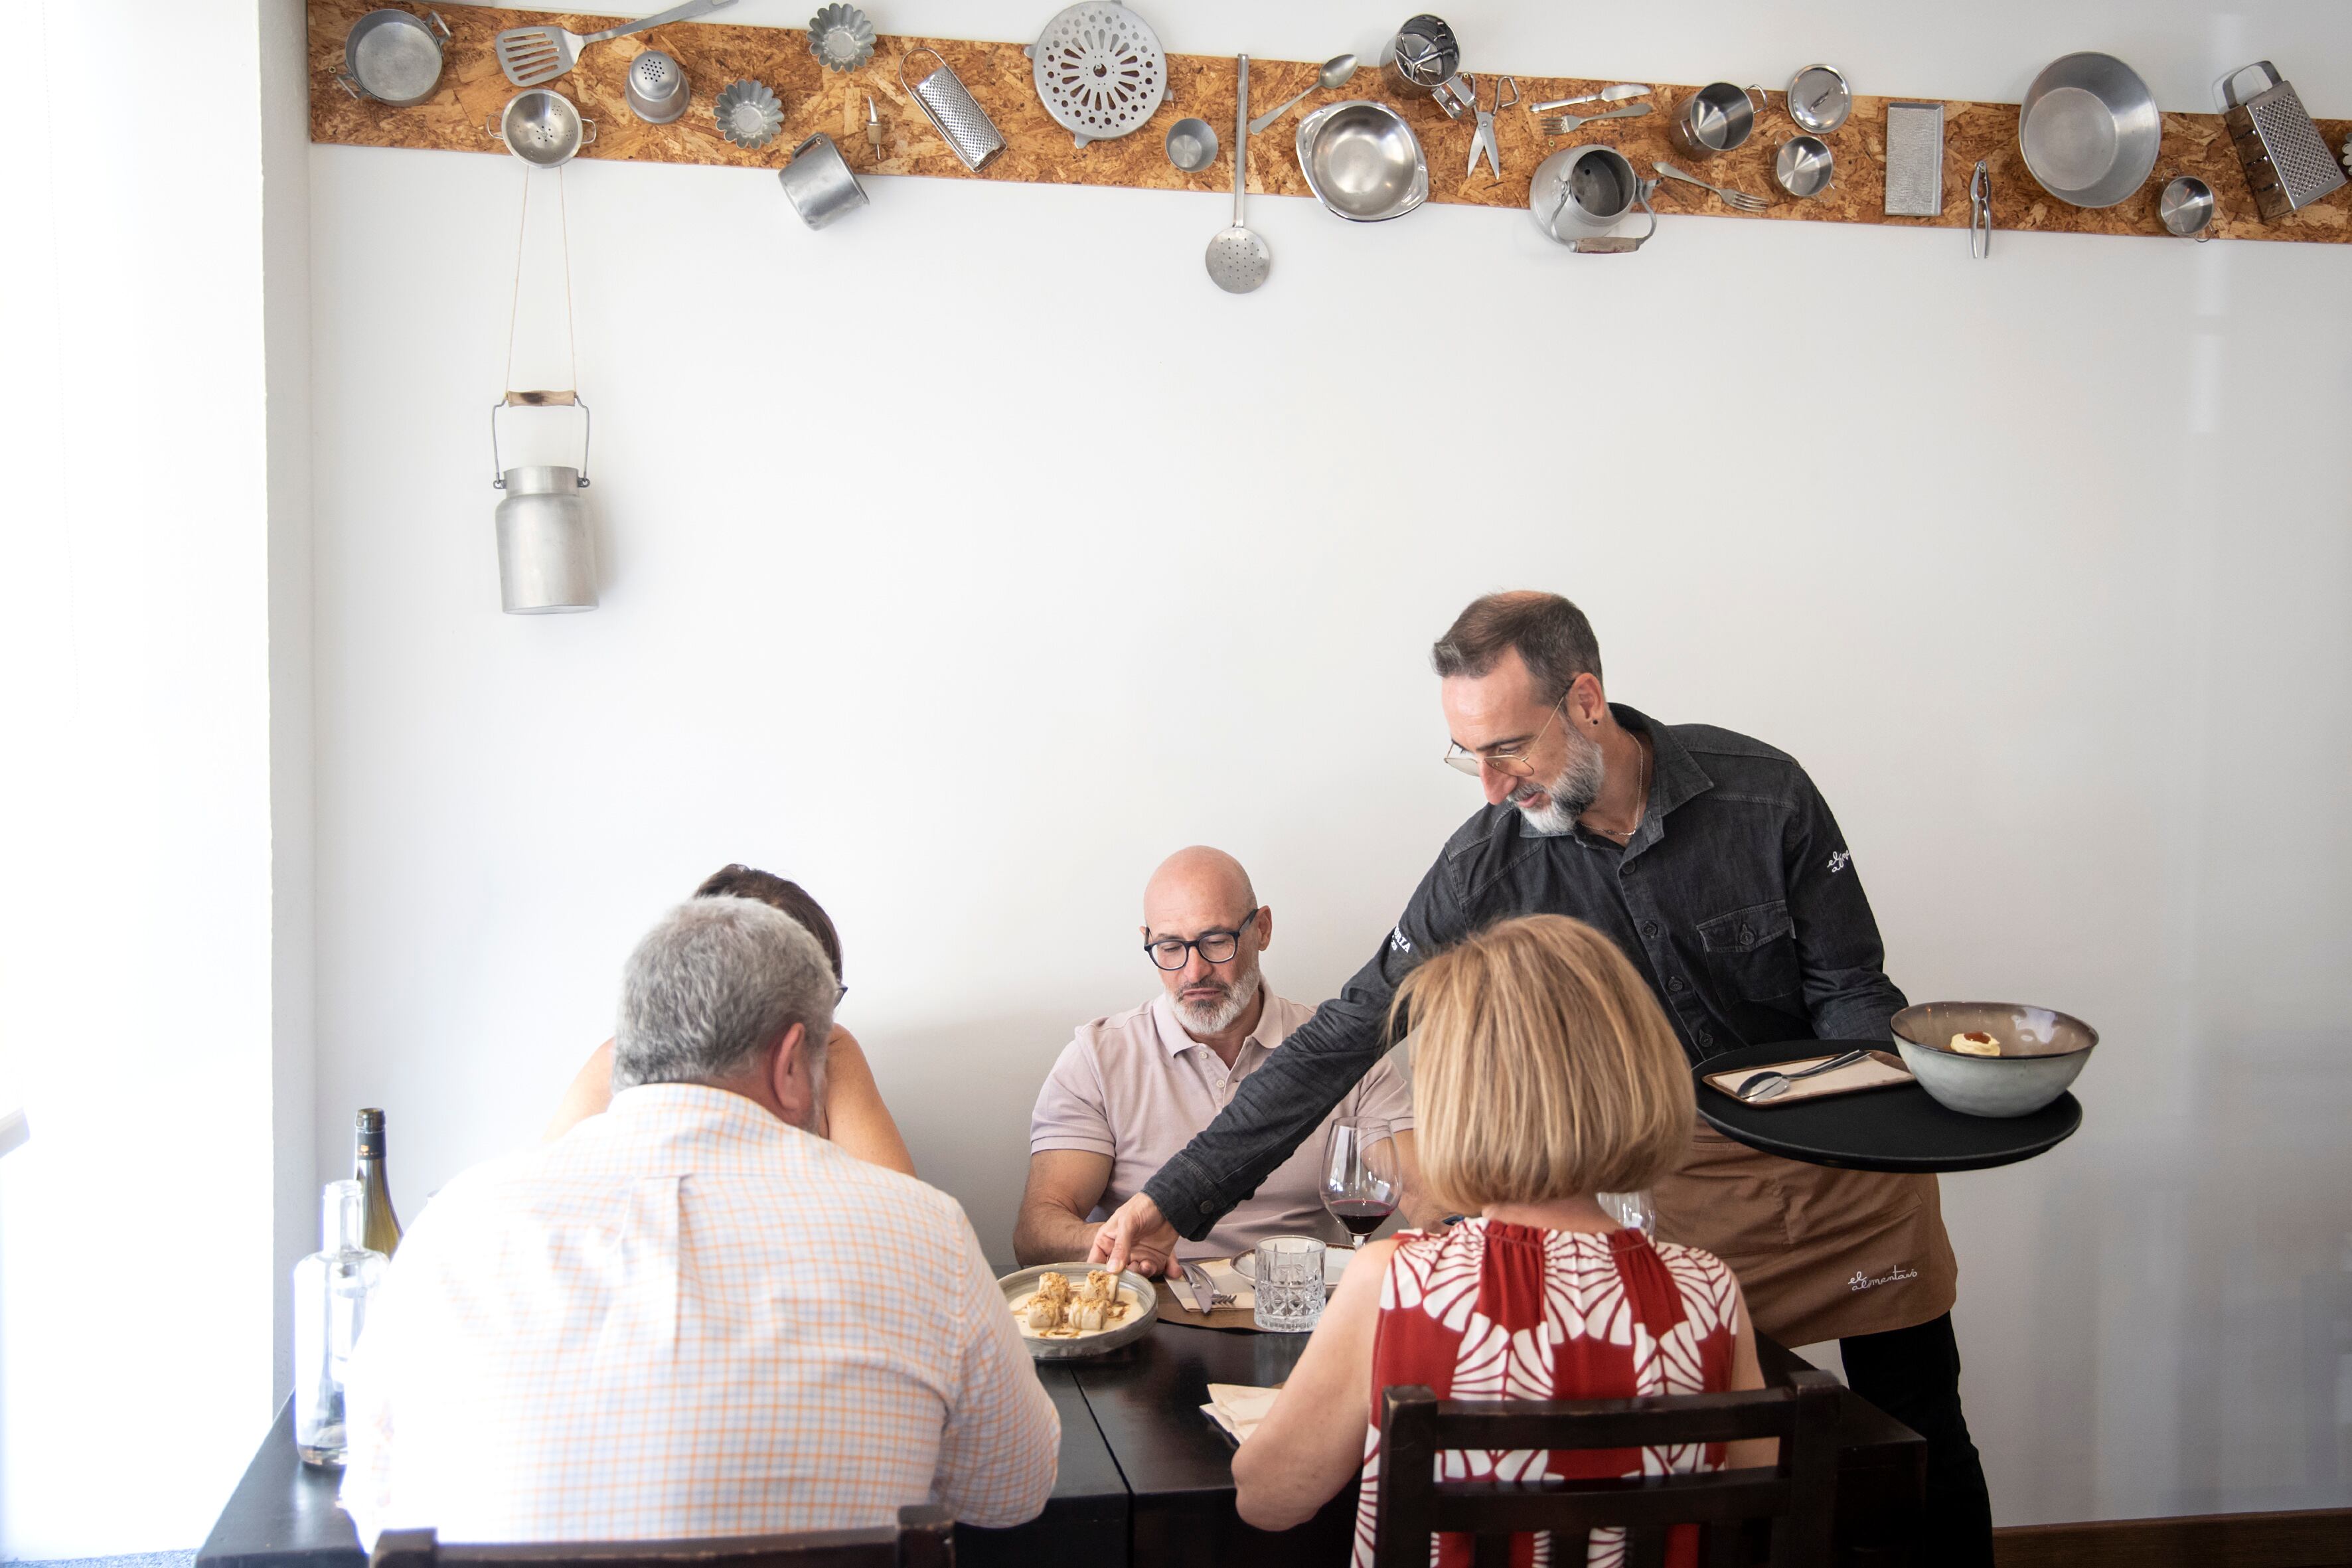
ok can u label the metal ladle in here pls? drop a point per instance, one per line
(1238, 260)
(1335, 72)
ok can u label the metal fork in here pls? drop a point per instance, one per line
(1203, 1288)
(530, 56)
(1562, 124)
(1737, 201)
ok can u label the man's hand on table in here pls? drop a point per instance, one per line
(1136, 1236)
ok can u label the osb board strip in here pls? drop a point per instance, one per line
(1038, 151)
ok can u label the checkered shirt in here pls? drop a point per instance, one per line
(687, 1319)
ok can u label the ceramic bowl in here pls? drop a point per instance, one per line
(1022, 1281)
(2042, 1050)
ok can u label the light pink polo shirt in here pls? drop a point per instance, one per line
(1136, 1087)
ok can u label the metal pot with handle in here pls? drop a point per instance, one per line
(1715, 118)
(394, 57)
(1580, 194)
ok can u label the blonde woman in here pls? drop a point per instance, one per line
(1543, 1074)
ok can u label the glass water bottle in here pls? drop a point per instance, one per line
(331, 1288)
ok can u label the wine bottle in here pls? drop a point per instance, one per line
(382, 1231)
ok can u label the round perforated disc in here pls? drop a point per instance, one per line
(1099, 71)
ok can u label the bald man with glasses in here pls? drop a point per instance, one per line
(1132, 1088)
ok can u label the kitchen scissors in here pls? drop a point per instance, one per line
(1484, 140)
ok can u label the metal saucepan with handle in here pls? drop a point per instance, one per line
(394, 57)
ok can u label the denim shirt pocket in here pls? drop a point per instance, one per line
(1753, 952)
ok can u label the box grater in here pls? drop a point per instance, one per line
(2286, 164)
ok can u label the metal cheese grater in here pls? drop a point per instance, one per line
(2286, 164)
(1914, 160)
(954, 113)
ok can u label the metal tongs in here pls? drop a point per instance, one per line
(1980, 211)
(1484, 141)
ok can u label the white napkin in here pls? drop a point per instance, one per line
(1238, 1408)
(1225, 1276)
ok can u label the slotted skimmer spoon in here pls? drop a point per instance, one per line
(530, 56)
(1238, 259)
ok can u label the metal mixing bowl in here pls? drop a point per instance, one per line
(2185, 207)
(2042, 1050)
(1362, 160)
(1803, 166)
(1022, 1282)
(2089, 129)
(541, 128)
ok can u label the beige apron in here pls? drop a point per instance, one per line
(1819, 1254)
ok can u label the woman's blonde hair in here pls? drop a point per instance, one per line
(1543, 1068)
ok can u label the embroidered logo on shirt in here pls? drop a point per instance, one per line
(1399, 940)
(1838, 861)
(1894, 1276)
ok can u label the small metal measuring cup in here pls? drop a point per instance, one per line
(1715, 118)
(1803, 166)
(2186, 208)
(820, 182)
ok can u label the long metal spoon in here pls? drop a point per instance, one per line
(1771, 1083)
(1335, 72)
(1238, 259)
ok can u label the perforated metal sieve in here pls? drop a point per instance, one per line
(1099, 71)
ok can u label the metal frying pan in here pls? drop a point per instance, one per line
(392, 56)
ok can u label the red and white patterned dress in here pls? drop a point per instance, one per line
(1491, 1311)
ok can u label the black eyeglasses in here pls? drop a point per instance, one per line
(1216, 946)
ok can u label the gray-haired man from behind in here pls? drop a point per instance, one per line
(666, 1324)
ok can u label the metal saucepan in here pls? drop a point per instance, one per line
(2185, 207)
(1803, 165)
(1715, 118)
(394, 57)
(820, 182)
(540, 127)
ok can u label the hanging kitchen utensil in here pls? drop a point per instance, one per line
(1819, 100)
(1715, 118)
(656, 88)
(543, 128)
(2286, 162)
(1099, 71)
(394, 58)
(1580, 194)
(547, 556)
(1191, 145)
(1482, 143)
(953, 112)
(1623, 89)
(1914, 160)
(820, 182)
(2089, 130)
(748, 113)
(2186, 208)
(1362, 160)
(530, 56)
(1333, 76)
(1803, 166)
(841, 38)
(1424, 60)
(1980, 211)
(1565, 125)
(1238, 260)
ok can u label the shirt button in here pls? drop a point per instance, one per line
(1207, 1207)
(1706, 1039)
(1650, 929)
(1675, 984)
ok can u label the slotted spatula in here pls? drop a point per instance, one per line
(530, 56)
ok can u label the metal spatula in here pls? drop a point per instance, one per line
(530, 56)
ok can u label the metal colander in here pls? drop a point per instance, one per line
(1099, 71)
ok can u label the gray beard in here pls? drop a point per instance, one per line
(1219, 1015)
(1570, 793)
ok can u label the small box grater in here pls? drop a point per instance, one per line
(1914, 160)
(2286, 162)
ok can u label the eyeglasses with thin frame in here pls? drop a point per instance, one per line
(1511, 760)
(1172, 954)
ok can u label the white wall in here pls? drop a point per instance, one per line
(154, 797)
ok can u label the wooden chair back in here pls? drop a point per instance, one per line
(924, 1537)
(1797, 1496)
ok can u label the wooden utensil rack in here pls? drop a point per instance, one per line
(1040, 152)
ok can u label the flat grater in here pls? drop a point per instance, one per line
(954, 113)
(1914, 160)
(2286, 162)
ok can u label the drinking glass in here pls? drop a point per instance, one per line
(1361, 1182)
(1289, 1283)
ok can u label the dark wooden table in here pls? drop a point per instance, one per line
(1146, 1479)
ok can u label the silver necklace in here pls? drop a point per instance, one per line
(1640, 805)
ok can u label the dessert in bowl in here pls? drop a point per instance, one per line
(1993, 1059)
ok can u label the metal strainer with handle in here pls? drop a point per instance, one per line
(1099, 71)
(1238, 259)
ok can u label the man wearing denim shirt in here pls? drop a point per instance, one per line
(1715, 864)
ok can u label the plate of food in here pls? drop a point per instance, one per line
(1067, 1310)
